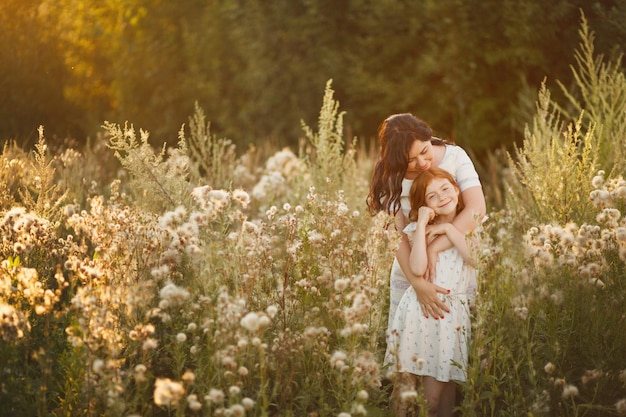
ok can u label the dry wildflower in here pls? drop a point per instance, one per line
(173, 294)
(234, 390)
(98, 366)
(272, 183)
(236, 410)
(540, 406)
(344, 414)
(242, 197)
(521, 312)
(409, 396)
(215, 396)
(590, 375)
(600, 198)
(620, 406)
(362, 395)
(150, 344)
(359, 410)
(189, 376)
(271, 311)
(315, 237)
(251, 322)
(248, 403)
(569, 391)
(341, 284)
(140, 373)
(557, 297)
(549, 368)
(193, 403)
(271, 213)
(598, 180)
(181, 337)
(167, 392)
(338, 358)
(13, 325)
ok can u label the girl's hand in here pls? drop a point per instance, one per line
(426, 293)
(425, 215)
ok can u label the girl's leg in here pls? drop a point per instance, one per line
(447, 400)
(404, 382)
(437, 398)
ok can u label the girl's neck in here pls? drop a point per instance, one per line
(444, 219)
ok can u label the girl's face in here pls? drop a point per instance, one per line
(420, 158)
(442, 196)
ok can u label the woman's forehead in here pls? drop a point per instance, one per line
(417, 147)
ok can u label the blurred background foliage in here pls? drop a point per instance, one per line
(471, 68)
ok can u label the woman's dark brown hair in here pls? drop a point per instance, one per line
(396, 135)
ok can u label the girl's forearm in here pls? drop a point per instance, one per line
(403, 255)
(419, 257)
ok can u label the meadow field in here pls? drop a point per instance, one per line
(204, 280)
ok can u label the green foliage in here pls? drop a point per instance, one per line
(41, 193)
(212, 160)
(257, 70)
(12, 171)
(553, 169)
(157, 182)
(194, 300)
(601, 97)
(331, 164)
(538, 347)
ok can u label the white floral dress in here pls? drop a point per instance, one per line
(425, 346)
(456, 162)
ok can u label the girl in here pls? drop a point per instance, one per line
(434, 350)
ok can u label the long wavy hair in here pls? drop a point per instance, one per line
(396, 136)
(422, 181)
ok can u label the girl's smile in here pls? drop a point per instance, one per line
(442, 197)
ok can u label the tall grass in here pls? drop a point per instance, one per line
(196, 281)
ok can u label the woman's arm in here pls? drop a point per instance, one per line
(426, 291)
(459, 240)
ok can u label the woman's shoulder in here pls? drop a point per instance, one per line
(454, 149)
(454, 156)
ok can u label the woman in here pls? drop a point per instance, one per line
(407, 147)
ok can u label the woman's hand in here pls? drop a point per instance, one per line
(434, 230)
(427, 297)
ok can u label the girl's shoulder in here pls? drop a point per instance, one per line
(410, 228)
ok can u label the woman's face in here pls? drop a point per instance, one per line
(442, 197)
(420, 158)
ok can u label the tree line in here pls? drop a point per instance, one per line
(471, 68)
